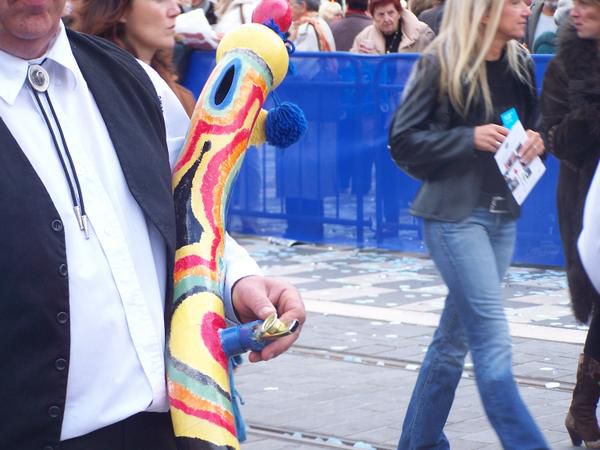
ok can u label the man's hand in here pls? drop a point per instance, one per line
(257, 297)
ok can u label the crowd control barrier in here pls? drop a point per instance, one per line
(338, 184)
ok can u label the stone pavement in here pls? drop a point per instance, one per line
(371, 314)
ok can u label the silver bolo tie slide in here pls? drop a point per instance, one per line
(39, 80)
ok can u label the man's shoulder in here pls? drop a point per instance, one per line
(105, 52)
(352, 20)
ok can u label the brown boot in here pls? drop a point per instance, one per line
(581, 421)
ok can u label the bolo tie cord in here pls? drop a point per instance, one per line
(39, 81)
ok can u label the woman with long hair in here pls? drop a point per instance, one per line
(146, 29)
(571, 111)
(445, 133)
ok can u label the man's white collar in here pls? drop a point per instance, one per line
(13, 71)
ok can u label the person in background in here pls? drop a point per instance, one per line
(394, 30)
(356, 19)
(445, 133)
(330, 11)
(571, 112)
(146, 29)
(433, 16)
(309, 32)
(546, 43)
(563, 11)
(418, 6)
(540, 22)
(232, 13)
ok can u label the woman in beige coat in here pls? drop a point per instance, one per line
(394, 30)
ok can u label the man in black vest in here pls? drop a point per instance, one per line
(88, 241)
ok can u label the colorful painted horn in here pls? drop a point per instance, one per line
(251, 61)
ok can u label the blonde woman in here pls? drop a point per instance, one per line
(446, 132)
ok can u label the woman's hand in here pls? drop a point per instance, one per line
(489, 138)
(366, 47)
(533, 146)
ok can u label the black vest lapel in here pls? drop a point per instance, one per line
(133, 116)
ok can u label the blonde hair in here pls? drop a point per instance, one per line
(461, 48)
(329, 10)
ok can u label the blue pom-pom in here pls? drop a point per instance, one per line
(285, 125)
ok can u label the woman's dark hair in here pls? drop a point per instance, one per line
(373, 4)
(103, 18)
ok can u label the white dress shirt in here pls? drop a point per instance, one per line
(589, 240)
(117, 277)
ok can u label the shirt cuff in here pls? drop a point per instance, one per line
(239, 264)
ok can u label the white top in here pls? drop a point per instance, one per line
(117, 278)
(307, 40)
(545, 23)
(589, 240)
(238, 12)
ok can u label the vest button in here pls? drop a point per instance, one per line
(62, 317)
(57, 225)
(60, 364)
(54, 412)
(62, 270)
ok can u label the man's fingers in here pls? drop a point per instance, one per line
(250, 299)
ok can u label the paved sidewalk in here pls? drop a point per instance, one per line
(347, 381)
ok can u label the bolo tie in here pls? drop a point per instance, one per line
(39, 81)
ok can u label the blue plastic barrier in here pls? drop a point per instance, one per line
(338, 184)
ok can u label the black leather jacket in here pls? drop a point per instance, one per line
(431, 141)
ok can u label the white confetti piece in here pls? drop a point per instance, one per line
(552, 385)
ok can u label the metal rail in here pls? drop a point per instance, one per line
(312, 440)
(412, 365)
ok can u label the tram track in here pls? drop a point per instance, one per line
(414, 365)
(310, 439)
(307, 439)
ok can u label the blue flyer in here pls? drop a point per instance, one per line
(509, 118)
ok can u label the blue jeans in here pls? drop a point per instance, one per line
(472, 257)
